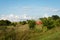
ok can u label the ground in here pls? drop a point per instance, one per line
(22, 32)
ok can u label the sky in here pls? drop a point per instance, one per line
(28, 9)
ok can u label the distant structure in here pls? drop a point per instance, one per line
(38, 22)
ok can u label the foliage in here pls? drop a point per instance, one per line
(5, 23)
(14, 24)
(55, 17)
(57, 22)
(23, 22)
(51, 22)
(31, 24)
(48, 23)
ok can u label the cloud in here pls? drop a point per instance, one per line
(31, 12)
(15, 18)
(46, 15)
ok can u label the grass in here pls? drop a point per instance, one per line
(37, 34)
(52, 34)
(24, 33)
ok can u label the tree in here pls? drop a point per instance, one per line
(23, 22)
(14, 23)
(48, 22)
(55, 17)
(5, 23)
(57, 23)
(31, 24)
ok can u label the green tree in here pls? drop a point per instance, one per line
(23, 22)
(55, 17)
(5, 23)
(31, 24)
(48, 22)
(57, 23)
(14, 23)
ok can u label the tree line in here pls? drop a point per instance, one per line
(50, 22)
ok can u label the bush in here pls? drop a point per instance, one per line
(57, 23)
(31, 24)
(48, 22)
(5, 23)
(14, 23)
(55, 17)
(23, 22)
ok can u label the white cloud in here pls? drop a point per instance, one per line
(14, 18)
(45, 15)
(33, 13)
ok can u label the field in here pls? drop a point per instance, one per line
(22, 32)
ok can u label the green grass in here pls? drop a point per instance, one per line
(53, 34)
(24, 33)
(37, 34)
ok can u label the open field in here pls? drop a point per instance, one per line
(22, 32)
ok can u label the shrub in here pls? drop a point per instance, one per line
(55, 17)
(48, 22)
(23, 22)
(5, 23)
(14, 24)
(57, 23)
(31, 24)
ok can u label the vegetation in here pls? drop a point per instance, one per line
(14, 23)
(55, 17)
(51, 22)
(31, 24)
(23, 22)
(22, 30)
(5, 23)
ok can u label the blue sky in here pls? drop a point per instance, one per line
(34, 8)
